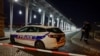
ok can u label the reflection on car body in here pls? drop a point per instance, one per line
(39, 36)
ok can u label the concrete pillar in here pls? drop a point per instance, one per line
(64, 26)
(11, 15)
(70, 27)
(57, 22)
(67, 26)
(30, 20)
(43, 18)
(27, 8)
(53, 21)
(49, 21)
(61, 24)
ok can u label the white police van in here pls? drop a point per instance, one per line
(39, 36)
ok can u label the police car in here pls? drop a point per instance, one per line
(39, 36)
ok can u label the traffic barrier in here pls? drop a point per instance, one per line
(41, 50)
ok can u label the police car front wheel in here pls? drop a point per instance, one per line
(12, 40)
(39, 44)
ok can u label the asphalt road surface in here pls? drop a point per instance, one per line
(69, 47)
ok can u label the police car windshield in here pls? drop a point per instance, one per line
(55, 30)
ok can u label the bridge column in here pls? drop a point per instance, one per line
(57, 22)
(67, 26)
(43, 18)
(64, 26)
(11, 15)
(61, 25)
(53, 21)
(49, 21)
(27, 8)
(30, 20)
(70, 27)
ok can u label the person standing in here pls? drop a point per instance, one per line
(87, 29)
(82, 33)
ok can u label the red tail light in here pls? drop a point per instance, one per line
(63, 35)
(51, 36)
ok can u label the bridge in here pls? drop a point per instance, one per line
(40, 12)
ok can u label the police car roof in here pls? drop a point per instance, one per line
(42, 26)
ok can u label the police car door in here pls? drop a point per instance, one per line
(27, 35)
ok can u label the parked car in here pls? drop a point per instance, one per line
(39, 36)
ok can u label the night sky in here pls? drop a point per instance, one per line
(78, 10)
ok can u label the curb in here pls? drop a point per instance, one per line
(98, 40)
(4, 38)
(95, 51)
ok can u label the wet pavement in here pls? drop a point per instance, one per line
(92, 48)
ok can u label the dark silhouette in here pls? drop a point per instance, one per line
(82, 33)
(85, 31)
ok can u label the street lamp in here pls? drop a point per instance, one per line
(34, 16)
(20, 12)
(39, 10)
(16, 0)
(51, 15)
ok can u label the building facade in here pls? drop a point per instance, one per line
(1, 19)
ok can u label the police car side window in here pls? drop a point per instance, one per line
(41, 30)
(25, 29)
(32, 29)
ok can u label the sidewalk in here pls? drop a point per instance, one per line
(7, 36)
(92, 48)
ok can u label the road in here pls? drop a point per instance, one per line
(69, 47)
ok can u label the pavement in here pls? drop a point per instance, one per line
(92, 48)
(7, 35)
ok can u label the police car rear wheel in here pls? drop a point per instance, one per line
(12, 40)
(39, 44)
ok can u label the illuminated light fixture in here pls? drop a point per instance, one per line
(39, 10)
(16, 0)
(20, 12)
(57, 18)
(51, 15)
(34, 16)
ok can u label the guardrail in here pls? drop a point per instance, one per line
(41, 50)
